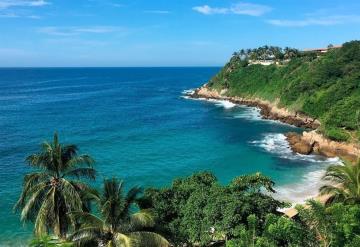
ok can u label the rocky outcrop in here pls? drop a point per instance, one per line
(314, 142)
(329, 148)
(305, 143)
(269, 110)
(298, 145)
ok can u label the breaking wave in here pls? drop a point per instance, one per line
(309, 184)
(276, 143)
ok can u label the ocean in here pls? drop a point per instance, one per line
(139, 126)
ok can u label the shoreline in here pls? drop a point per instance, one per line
(309, 142)
(271, 112)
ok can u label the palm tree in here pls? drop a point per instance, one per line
(116, 225)
(287, 52)
(242, 53)
(346, 183)
(49, 193)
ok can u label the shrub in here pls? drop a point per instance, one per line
(337, 134)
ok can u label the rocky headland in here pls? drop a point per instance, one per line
(309, 142)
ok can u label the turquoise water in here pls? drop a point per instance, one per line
(137, 125)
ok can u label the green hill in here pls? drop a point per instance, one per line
(323, 86)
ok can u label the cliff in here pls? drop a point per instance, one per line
(322, 88)
(312, 91)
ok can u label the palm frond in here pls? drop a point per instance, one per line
(124, 240)
(86, 234)
(149, 239)
(347, 183)
(71, 196)
(69, 151)
(88, 220)
(35, 199)
(81, 172)
(79, 160)
(130, 199)
(111, 203)
(143, 219)
(30, 180)
(45, 216)
(330, 189)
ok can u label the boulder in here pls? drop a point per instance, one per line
(297, 144)
(302, 147)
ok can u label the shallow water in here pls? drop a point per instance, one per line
(138, 126)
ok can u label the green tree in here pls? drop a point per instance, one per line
(345, 183)
(49, 193)
(337, 225)
(198, 209)
(274, 231)
(253, 183)
(117, 226)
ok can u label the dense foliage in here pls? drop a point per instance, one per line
(334, 225)
(198, 209)
(193, 211)
(323, 86)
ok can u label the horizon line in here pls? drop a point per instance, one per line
(69, 67)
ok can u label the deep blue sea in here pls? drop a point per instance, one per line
(138, 126)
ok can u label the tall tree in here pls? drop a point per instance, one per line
(117, 225)
(345, 183)
(54, 189)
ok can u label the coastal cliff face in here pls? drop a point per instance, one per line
(306, 143)
(268, 109)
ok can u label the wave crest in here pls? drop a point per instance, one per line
(276, 143)
(309, 184)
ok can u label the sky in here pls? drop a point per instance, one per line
(81, 33)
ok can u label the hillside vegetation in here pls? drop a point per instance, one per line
(326, 87)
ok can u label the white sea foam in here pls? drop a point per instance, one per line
(276, 143)
(309, 184)
(306, 188)
(222, 103)
(249, 113)
(188, 91)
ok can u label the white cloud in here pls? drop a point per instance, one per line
(8, 15)
(96, 29)
(71, 31)
(207, 10)
(241, 8)
(319, 21)
(34, 16)
(4, 4)
(250, 9)
(117, 5)
(13, 15)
